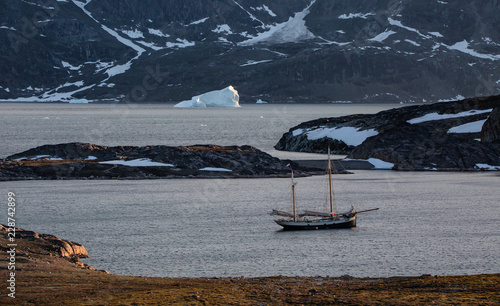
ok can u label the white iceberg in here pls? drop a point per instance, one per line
(227, 97)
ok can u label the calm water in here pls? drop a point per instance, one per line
(24, 126)
(435, 223)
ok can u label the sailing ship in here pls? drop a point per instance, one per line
(308, 220)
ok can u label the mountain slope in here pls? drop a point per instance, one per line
(279, 51)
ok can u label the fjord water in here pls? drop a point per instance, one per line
(27, 125)
(428, 222)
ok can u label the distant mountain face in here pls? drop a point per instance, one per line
(277, 51)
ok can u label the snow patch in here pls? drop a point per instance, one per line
(69, 66)
(215, 169)
(349, 135)
(399, 24)
(8, 28)
(157, 33)
(265, 8)
(133, 34)
(198, 21)
(227, 97)
(463, 46)
(250, 62)
(382, 36)
(471, 127)
(150, 45)
(458, 97)
(436, 116)
(356, 15)
(181, 43)
(293, 30)
(119, 69)
(223, 28)
(437, 34)
(141, 162)
(412, 42)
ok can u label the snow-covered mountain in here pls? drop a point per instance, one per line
(277, 51)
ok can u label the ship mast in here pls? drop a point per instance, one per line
(293, 195)
(330, 181)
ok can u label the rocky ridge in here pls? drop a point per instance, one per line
(404, 138)
(84, 160)
(47, 245)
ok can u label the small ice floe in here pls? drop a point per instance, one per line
(140, 162)
(260, 101)
(380, 164)
(487, 167)
(215, 169)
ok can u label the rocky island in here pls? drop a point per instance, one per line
(48, 272)
(457, 135)
(90, 161)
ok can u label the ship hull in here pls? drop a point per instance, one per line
(317, 224)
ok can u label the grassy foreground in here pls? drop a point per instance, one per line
(43, 277)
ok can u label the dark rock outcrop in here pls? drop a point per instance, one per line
(84, 160)
(424, 148)
(491, 128)
(412, 145)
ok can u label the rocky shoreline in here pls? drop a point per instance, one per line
(90, 161)
(48, 271)
(459, 135)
